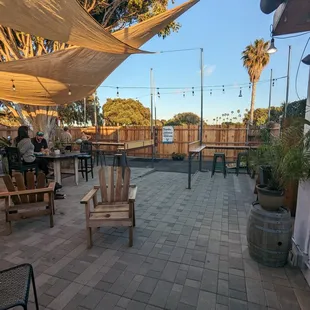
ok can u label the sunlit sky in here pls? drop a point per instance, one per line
(223, 30)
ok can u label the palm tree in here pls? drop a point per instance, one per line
(255, 58)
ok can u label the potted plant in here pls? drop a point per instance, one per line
(178, 156)
(284, 160)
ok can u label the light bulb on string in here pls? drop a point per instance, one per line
(117, 92)
(249, 86)
(193, 91)
(183, 94)
(273, 82)
(13, 85)
(158, 93)
(240, 93)
(223, 89)
(211, 92)
(69, 91)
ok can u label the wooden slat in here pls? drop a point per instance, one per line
(111, 184)
(111, 208)
(29, 206)
(40, 184)
(126, 184)
(118, 186)
(89, 195)
(111, 223)
(103, 184)
(26, 215)
(19, 179)
(11, 188)
(132, 193)
(31, 185)
(119, 216)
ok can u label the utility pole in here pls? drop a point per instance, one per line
(287, 80)
(270, 94)
(201, 104)
(85, 112)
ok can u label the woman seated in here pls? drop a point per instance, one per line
(26, 148)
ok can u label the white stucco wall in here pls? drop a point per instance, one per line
(301, 235)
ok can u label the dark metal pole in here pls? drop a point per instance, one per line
(152, 126)
(85, 112)
(287, 80)
(270, 93)
(189, 170)
(201, 103)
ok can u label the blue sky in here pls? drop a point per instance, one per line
(223, 29)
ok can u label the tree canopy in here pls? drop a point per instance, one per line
(185, 118)
(112, 14)
(73, 114)
(261, 115)
(255, 58)
(125, 112)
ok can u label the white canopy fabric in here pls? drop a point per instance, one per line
(60, 20)
(47, 80)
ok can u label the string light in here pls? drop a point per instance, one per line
(13, 86)
(249, 86)
(273, 82)
(211, 92)
(240, 93)
(117, 92)
(158, 93)
(193, 91)
(183, 94)
(223, 89)
(69, 91)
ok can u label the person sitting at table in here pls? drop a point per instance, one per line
(26, 148)
(66, 139)
(85, 137)
(40, 144)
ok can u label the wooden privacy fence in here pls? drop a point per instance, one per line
(183, 135)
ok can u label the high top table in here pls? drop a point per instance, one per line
(57, 159)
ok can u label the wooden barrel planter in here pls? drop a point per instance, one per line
(269, 235)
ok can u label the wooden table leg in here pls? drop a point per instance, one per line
(76, 170)
(57, 171)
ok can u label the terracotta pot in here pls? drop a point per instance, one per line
(269, 199)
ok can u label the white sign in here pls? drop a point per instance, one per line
(168, 134)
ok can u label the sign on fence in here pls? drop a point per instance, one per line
(168, 134)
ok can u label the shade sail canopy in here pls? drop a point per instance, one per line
(60, 20)
(46, 80)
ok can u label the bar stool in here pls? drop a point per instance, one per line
(219, 166)
(84, 158)
(120, 160)
(241, 156)
(100, 156)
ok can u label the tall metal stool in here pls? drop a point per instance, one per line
(84, 158)
(100, 156)
(242, 155)
(219, 166)
(15, 287)
(120, 160)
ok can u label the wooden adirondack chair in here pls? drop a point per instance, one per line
(26, 202)
(116, 207)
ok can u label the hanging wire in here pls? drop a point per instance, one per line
(297, 73)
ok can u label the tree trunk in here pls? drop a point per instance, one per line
(37, 118)
(253, 95)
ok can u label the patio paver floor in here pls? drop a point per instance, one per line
(190, 252)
